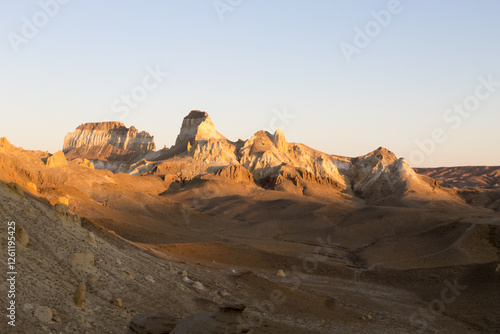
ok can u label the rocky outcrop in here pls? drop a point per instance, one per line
(197, 126)
(266, 159)
(279, 140)
(5, 145)
(271, 160)
(79, 297)
(57, 159)
(107, 141)
(235, 173)
(380, 174)
(86, 163)
(65, 215)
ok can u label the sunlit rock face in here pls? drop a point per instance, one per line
(272, 162)
(106, 140)
(197, 126)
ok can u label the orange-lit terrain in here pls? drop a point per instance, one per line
(365, 244)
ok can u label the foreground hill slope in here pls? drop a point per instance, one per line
(57, 253)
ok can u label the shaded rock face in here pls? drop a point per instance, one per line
(107, 140)
(65, 215)
(270, 158)
(195, 127)
(296, 180)
(236, 173)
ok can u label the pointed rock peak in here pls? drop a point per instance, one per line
(262, 134)
(279, 133)
(196, 114)
(4, 142)
(279, 140)
(380, 156)
(57, 159)
(5, 145)
(197, 126)
(383, 154)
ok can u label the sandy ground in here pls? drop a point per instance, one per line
(351, 266)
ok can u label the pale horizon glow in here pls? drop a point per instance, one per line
(261, 60)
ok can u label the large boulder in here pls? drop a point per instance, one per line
(57, 159)
(22, 238)
(79, 297)
(237, 173)
(65, 215)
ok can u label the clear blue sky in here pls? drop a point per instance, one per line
(262, 57)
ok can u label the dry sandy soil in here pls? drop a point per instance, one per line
(401, 265)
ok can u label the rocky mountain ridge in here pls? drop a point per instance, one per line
(274, 163)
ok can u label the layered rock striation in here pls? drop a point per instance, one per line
(107, 141)
(197, 126)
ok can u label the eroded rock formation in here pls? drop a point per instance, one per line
(107, 141)
(265, 159)
(197, 126)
